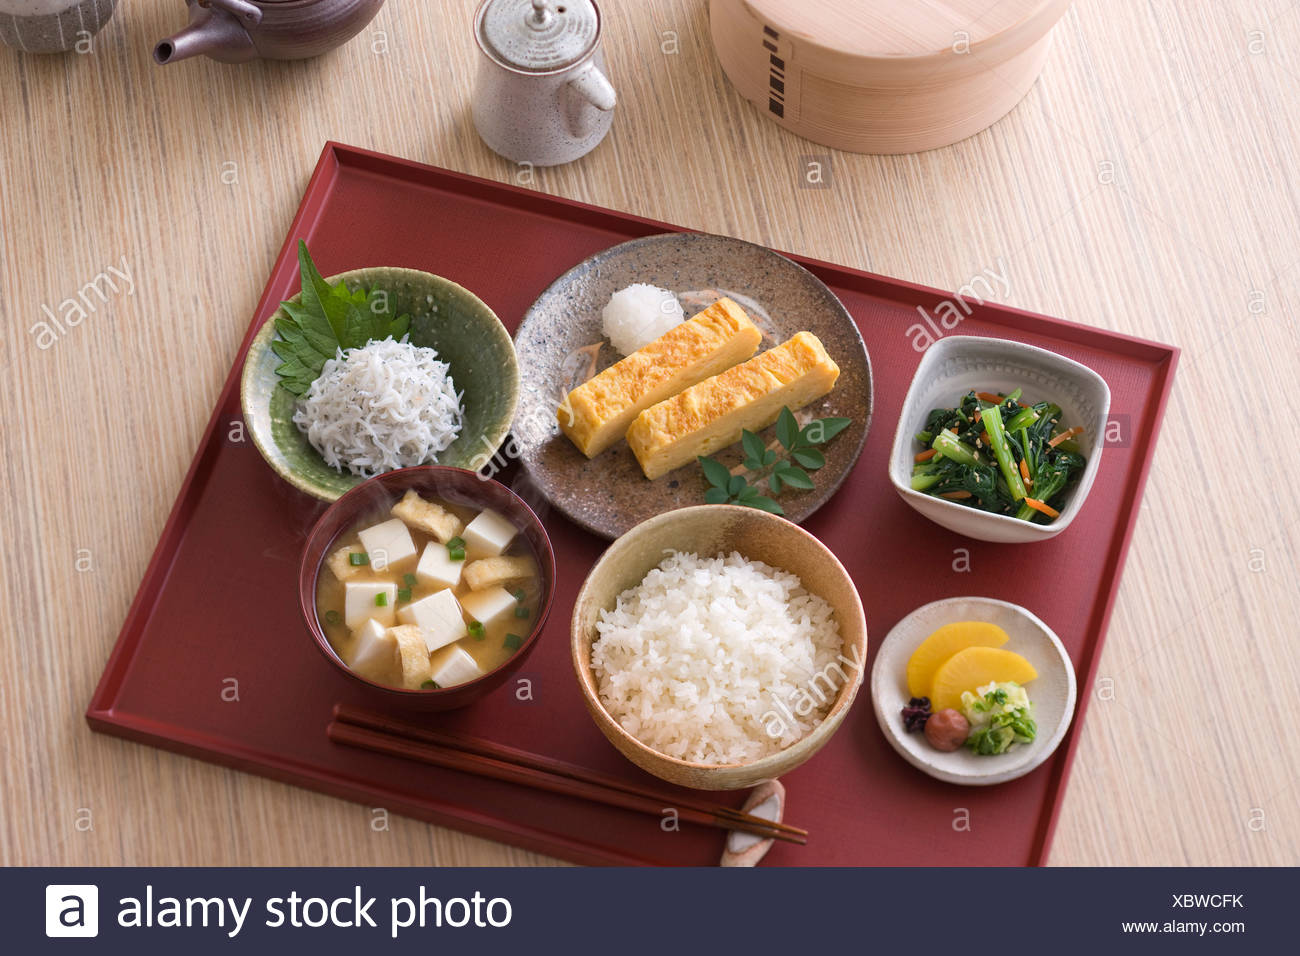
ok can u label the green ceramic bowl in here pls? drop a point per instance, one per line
(444, 316)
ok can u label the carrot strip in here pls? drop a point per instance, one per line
(1024, 472)
(989, 397)
(1066, 435)
(1042, 507)
(956, 495)
(926, 455)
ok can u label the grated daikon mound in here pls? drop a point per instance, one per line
(383, 406)
(706, 656)
(638, 314)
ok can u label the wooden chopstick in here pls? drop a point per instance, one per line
(487, 748)
(375, 732)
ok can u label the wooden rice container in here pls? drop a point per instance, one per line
(884, 77)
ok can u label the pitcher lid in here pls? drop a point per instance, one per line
(537, 36)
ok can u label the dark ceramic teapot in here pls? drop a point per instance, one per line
(234, 31)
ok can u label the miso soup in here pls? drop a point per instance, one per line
(430, 593)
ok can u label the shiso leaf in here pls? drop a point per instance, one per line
(318, 297)
(329, 318)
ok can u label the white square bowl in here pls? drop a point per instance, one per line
(955, 365)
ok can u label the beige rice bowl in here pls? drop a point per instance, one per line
(718, 660)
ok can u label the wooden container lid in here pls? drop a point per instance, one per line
(884, 76)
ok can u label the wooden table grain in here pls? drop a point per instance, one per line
(1147, 184)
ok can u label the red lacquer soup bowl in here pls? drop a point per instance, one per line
(453, 485)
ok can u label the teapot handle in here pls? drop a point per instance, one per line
(246, 12)
(590, 87)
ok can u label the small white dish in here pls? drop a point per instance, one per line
(1053, 693)
(956, 364)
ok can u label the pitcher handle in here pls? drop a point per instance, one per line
(590, 86)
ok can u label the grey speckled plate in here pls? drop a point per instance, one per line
(560, 344)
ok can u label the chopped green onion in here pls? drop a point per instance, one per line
(456, 554)
(358, 558)
(409, 581)
(381, 599)
(476, 630)
(520, 595)
(430, 685)
(521, 611)
(514, 641)
(454, 543)
(333, 617)
(403, 594)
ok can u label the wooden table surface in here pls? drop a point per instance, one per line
(1147, 184)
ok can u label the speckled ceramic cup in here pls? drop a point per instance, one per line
(52, 26)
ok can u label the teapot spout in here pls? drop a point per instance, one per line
(211, 32)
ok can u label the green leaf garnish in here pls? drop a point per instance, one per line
(821, 430)
(794, 476)
(763, 463)
(329, 318)
(787, 429)
(717, 473)
(810, 458)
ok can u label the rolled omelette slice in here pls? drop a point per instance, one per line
(710, 415)
(597, 413)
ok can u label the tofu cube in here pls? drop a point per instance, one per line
(438, 617)
(488, 534)
(437, 568)
(359, 602)
(388, 544)
(340, 565)
(428, 517)
(487, 572)
(489, 605)
(455, 666)
(414, 656)
(375, 650)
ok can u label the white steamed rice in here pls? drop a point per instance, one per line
(638, 314)
(383, 406)
(713, 660)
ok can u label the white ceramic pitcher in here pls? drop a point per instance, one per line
(541, 96)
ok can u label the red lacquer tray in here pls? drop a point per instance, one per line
(219, 599)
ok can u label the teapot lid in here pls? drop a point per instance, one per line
(537, 36)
